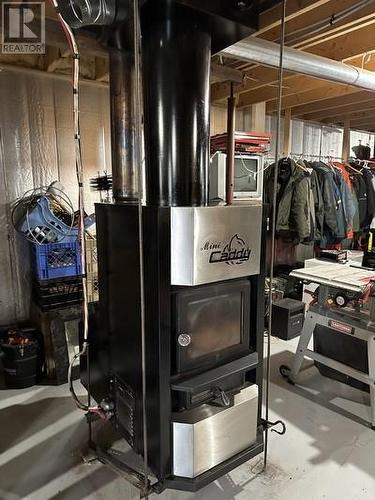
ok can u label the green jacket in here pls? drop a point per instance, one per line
(293, 213)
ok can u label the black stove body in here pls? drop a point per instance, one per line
(201, 340)
(203, 267)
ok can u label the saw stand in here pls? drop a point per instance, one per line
(345, 320)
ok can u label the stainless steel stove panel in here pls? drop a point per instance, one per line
(207, 435)
(216, 243)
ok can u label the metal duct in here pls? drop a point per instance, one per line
(79, 13)
(267, 53)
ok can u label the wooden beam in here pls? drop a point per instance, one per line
(338, 49)
(342, 111)
(365, 122)
(364, 41)
(332, 103)
(349, 45)
(299, 13)
(368, 127)
(14, 69)
(221, 73)
(271, 18)
(287, 132)
(252, 79)
(318, 94)
(341, 30)
(291, 86)
(355, 117)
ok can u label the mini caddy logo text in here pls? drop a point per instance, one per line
(234, 252)
(23, 28)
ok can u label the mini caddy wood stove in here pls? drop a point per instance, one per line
(203, 266)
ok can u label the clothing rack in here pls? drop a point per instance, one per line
(363, 162)
(308, 157)
(324, 205)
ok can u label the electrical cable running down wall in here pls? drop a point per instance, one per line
(81, 209)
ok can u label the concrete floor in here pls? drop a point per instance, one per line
(326, 454)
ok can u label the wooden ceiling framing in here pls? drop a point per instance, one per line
(351, 40)
(313, 26)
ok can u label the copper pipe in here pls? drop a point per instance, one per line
(231, 114)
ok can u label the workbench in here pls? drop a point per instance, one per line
(343, 302)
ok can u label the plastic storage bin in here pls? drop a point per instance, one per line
(56, 260)
(42, 225)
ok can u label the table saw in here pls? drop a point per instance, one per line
(344, 303)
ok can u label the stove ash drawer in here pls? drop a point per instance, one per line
(208, 435)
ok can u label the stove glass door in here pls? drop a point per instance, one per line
(212, 324)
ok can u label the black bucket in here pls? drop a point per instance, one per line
(21, 363)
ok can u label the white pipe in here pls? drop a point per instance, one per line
(267, 53)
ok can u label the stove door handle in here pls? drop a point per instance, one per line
(221, 396)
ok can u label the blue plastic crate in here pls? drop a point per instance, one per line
(42, 225)
(56, 260)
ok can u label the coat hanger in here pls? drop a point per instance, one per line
(347, 164)
(302, 167)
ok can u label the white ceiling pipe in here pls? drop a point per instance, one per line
(267, 53)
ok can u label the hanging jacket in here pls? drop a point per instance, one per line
(355, 227)
(369, 178)
(292, 200)
(345, 206)
(318, 200)
(311, 209)
(360, 189)
(326, 183)
(350, 201)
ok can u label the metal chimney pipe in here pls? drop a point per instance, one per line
(261, 51)
(176, 77)
(123, 114)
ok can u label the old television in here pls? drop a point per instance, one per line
(248, 177)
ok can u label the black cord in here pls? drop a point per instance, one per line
(277, 152)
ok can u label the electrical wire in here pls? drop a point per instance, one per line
(81, 227)
(22, 207)
(312, 29)
(273, 237)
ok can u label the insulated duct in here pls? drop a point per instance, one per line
(261, 51)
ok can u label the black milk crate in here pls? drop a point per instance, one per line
(54, 294)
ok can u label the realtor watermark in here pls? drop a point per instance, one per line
(23, 28)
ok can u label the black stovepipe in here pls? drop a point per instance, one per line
(176, 72)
